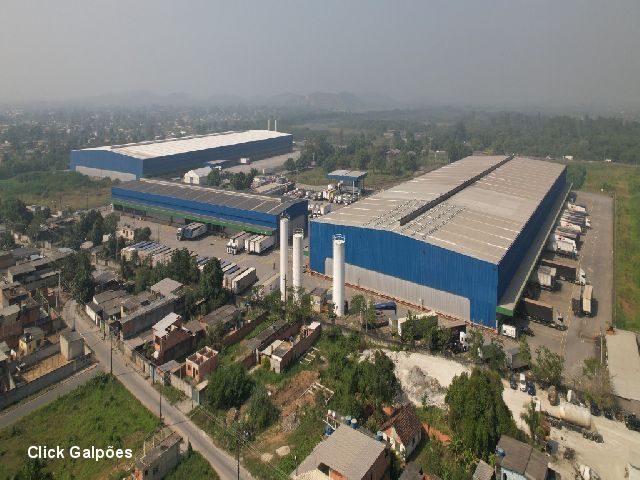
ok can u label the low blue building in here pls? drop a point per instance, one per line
(179, 203)
(461, 240)
(177, 155)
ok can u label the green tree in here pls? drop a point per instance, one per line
(525, 350)
(596, 384)
(211, 282)
(214, 178)
(475, 340)
(229, 386)
(261, 412)
(533, 419)
(478, 415)
(6, 241)
(496, 356)
(141, 234)
(290, 165)
(548, 366)
(111, 222)
(376, 380)
(97, 230)
(33, 469)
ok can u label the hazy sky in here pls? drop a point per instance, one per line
(474, 51)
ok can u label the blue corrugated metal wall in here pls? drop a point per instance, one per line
(413, 260)
(512, 259)
(207, 209)
(108, 160)
(186, 161)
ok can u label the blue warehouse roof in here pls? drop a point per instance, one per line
(209, 204)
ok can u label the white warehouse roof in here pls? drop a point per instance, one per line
(476, 206)
(174, 146)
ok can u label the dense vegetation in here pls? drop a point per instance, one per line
(100, 413)
(192, 467)
(478, 415)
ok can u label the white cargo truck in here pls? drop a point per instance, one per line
(264, 243)
(191, 231)
(243, 281)
(510, 331)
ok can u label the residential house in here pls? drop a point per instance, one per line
(403, 431)
(160, 460)
(483, 471)
(71, 344)
(15, 318)
(412, 471)
(197, 176)
(347, 454)
(167, 286)
(6, 260)
(145, 317)
(126, 231)
(12, 294)
(318, 299)
(282, 352)
(225, 317)
(31, 340)
(202, 363)
(516, 460)
(105, 306)
(170, 339)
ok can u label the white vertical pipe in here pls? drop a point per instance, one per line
(268, 124)
(298, 238)
(275, 125)
(284, 256)
(338, 275)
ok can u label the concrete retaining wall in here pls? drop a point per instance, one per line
(57, 375)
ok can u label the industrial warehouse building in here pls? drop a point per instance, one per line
(461, 240)
(173, 202)
(177, 155)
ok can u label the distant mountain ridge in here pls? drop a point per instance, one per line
(342, 101)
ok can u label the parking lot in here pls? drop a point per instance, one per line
(581, 339)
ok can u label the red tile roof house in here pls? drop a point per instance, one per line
(403, 431)
(347, 454)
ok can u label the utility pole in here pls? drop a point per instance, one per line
(161, 402)
(238, 457)
(111, 350)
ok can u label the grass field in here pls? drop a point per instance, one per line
(100, 413)
(625, 182)
(375, 181)
(195, 467)
(56, 189)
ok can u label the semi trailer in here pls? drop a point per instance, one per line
(586, 300)
(235, 244)
(191, 231)
(545, 277)
(565, 269)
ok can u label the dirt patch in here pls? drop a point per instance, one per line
(288, 399)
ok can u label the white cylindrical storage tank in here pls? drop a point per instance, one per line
(284, 256)
(298, 238)
(338, 274)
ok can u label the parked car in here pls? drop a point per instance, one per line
(632, 422)
(609, 414)
(595, 411)
(531, 389)
(514, 383)
(523, 382)
(527, 331)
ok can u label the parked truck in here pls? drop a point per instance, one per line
(191, 231)
(565, 269)
(576, 208)
(586, 300)
(248, 242)
(540, 312)
(562, 246)
(545, 277)
(262, 244)
(236, 243)
(510, 331)
(244, 280)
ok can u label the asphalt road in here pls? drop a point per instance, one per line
(13, 414)
(223, 463)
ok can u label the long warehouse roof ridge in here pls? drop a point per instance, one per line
(174, 146)
(476, 206)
